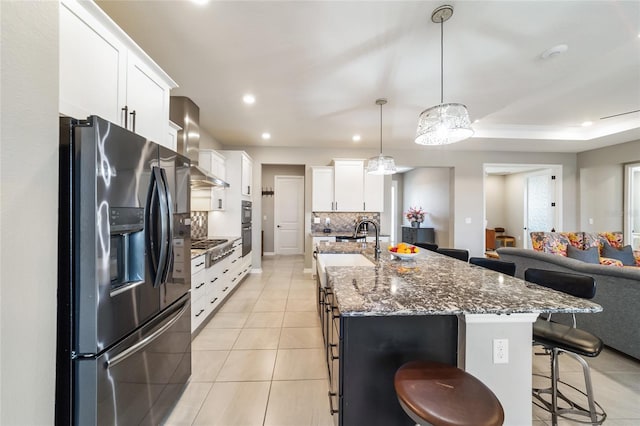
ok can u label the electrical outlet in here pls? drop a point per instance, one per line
(316, 220)
(500, 351)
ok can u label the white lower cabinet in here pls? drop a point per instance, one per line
(211, 286)
(198, 288)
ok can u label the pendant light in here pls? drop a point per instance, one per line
(381, 165)
(445, 123)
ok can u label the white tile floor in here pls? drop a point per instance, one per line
(259, 361)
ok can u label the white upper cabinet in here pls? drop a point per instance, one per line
(373, 192)
(103, 72)
(93, 66)
(322, 189)
(247, 175)
(346, 187)
(349, 185)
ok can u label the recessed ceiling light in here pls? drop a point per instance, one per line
(356, 138)
(587, 123)
(266, 136)
(249, 99)
(554, 51)
(200, 2)
(477, 120)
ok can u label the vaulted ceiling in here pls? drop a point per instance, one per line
(317, 67)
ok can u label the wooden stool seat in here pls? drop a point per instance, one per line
(444, 395)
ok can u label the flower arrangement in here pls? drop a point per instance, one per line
(415, 214)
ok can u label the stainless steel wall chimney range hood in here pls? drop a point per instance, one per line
(186, 114)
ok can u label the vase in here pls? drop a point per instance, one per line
(415, 224)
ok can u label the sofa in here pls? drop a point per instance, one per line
(560, 243)
(617, 291)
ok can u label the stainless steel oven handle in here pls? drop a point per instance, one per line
(147, 340)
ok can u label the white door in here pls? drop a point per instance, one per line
(632, 205)
(541, 205)
(289, 215)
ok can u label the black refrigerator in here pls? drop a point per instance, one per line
(124, 310)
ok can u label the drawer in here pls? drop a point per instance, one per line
(197, 264)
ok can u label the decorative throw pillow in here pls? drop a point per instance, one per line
(589, 255)
(625, 254)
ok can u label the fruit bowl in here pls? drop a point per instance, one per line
(403, 256)
(396, 251)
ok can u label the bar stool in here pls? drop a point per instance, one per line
(502, 266)
(427, 246)
(432, 393)
(459, 254)
(563, 339)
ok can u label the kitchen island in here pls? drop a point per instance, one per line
(432, 307)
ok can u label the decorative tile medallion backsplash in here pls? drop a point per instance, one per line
(199, 224)
(340, 222)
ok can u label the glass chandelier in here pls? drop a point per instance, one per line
(380, 164)
(445, 123)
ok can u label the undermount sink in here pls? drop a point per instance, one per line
(339, 259)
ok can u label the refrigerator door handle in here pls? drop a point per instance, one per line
(167, 237)
(148, 339)
(157, 201)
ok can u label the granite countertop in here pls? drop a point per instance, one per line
(433, 284)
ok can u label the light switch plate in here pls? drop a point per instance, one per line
(316, 220)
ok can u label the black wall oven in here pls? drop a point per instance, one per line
(246, 227)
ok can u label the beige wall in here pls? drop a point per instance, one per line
(494, 187)
(28, 211)
(601, 173)
(466, 189)
(429, 188)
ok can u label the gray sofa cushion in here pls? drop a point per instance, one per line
(590, 255)
(624, 255)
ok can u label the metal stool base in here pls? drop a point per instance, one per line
(574, 408)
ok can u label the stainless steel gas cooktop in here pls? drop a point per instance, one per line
(214, 249)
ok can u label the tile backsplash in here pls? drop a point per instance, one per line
(199, 224)
(340, 222)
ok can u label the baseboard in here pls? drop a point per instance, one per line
(308, 271)
(268, 253)
(255, 271)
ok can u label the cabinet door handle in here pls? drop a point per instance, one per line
(225, 289)
(200, 285)
(220, 203)
(336, 205)
(126, 116)
(200, 313)
(331, 409)
(133, 120)
(214, 300)
(214, 280)
(225, 271)
(331, 346)
(249, 189)
(199, 264)
(364, 206)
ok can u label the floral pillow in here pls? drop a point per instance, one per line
(610, 262)
(548, 242)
